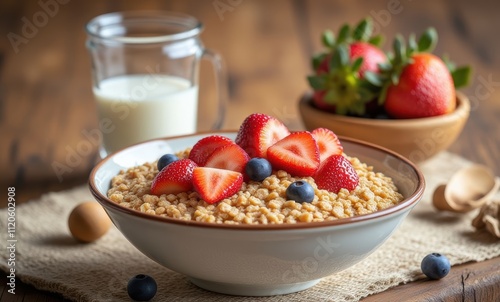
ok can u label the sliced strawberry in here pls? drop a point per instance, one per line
(297, 154)
(258, 132)
(213, 185)
(205, 146)
(328, 143)
(175, 178)
(229, 157)
(335, 173)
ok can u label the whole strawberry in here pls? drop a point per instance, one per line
(425, 88)
(338, 83)
(174, 178)
(369, 53)
(336, 173)
(416, 83)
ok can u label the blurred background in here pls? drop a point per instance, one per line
(46, 100)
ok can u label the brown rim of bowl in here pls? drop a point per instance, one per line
(406, 203)
(463, 107)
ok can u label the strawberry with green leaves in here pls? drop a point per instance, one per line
(338, 83)
(415, 83)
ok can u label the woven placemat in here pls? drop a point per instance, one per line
(50, 259)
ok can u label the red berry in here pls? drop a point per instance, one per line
(205, 146)
(341, 90)
(425, 89)
(175, 178)
(320, 102)
(335, 173)
(258, 132)
(214, 185)
(371, 54)
(229, 157)
(328, 143)
(296, 154)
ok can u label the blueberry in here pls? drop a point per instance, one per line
(141, 288)
(300, 191)
(258, 169)
(435, 266)
(165, 160)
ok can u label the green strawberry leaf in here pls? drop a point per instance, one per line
(317, 60)
(383, 95)
(399, 50)
(363, 31)
(343, 34)
(317, 82)
(385, 66)
(328, 38)
(412, 45)
(366, 95)
(340, 58)
(390, 57)
(368, 87)
(395, 76)
(357, 64)
(449, 64)
(377, 40)
(373, 78)
(428, 40)
(461, 76)
(331, 96)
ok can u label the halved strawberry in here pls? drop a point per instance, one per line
(205, 146)
(175, 178)
(258, 132)
(297, 154)
(328, 143)
(229, 157)
(335, 173)
(213, 185)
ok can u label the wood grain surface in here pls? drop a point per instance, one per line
(47, 106)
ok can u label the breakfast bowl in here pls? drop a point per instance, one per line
(257, 259)
(417, 139)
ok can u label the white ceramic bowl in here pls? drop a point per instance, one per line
(257, 260)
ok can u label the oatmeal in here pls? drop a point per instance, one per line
(257, 202)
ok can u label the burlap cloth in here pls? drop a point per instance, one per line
(50, 259)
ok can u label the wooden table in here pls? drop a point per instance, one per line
(46, 98)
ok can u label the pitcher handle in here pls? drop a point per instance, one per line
(221, 84)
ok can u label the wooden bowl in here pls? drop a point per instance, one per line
(416, 139)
